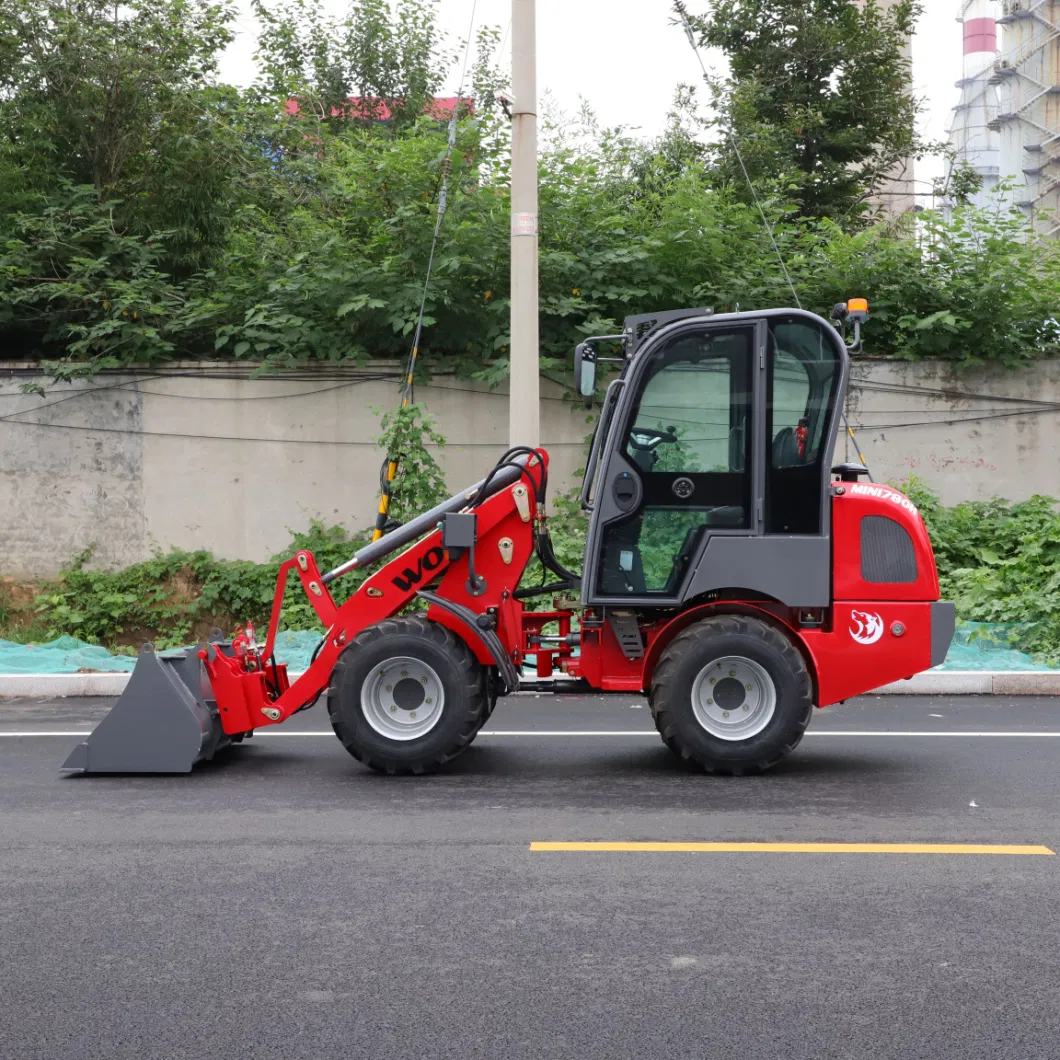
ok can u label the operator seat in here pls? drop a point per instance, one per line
(786, 448)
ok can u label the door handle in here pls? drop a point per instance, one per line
(624, 491)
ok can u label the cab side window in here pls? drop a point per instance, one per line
(694, 413)
(803, 376)
(690, 438)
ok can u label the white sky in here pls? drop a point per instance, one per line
(625, 58)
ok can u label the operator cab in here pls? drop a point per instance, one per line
(710, 466)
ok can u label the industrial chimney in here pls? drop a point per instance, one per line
(972, 138)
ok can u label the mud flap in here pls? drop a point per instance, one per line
(164, 722)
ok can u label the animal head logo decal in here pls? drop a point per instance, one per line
(865, 627)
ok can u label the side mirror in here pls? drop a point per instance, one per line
(585, 372)
(856, 312)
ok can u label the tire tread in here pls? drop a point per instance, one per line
(696, 640)
(471, 678)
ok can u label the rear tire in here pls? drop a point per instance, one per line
(406, 696)
(732, 695)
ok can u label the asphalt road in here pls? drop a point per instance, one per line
(287, 903)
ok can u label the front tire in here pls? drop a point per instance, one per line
(406, 696)
(732, 694)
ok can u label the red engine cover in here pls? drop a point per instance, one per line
(880, 546)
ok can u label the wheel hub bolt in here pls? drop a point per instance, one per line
(412, 714)
(404, 673)
(423, 680)
(393, 709)
(390, 688)
(746, 707)
(713, 680)
(724, 713)
(710, 702)
(748, 687)
(732, 673)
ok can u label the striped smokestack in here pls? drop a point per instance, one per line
(973, 140)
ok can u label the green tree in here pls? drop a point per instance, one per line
(817, 98)
(121, 98)
(373, 64)
(148, 212)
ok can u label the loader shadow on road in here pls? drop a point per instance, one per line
(595, 760)
(230, 761)
(507, 766)
(527, 759)
(664, 763)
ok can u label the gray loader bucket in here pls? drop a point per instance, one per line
(165, 721)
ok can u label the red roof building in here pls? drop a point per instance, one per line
(377, 110)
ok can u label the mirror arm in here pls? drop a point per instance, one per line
(855, 346)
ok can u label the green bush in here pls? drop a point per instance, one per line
(1000, 563)
(177, 596)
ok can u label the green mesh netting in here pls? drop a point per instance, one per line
(989, 646)
(68, 655)
(977, 646)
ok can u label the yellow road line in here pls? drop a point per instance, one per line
(793, 848)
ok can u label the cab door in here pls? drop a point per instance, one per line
(680, 464)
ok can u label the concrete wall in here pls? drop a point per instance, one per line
(134, 463)
(971, 434)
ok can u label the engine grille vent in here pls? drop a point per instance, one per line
(887, 553)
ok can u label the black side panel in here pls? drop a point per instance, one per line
(887, 553)
(797, 571)
(943, 626)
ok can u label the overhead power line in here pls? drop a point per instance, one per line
(730, 132)
(679, 7)
(388, 472)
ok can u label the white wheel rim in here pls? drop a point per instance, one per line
(402, 698)
(734, 698)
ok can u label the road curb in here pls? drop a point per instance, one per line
(53, 686)
(932, 683)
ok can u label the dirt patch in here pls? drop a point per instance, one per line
(19, 595)
(20, 621)
(179, 590)
(182, 587)
(17, 605)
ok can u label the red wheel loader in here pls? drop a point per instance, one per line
(730, 575)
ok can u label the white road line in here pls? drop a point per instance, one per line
(913, 732)
(33, 732)
(580, 732)
(820, 732)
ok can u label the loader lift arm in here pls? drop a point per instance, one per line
(180, 709)
(506, 512)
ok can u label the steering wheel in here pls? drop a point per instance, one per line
(647, 439)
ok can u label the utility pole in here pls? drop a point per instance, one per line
(524, 402)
